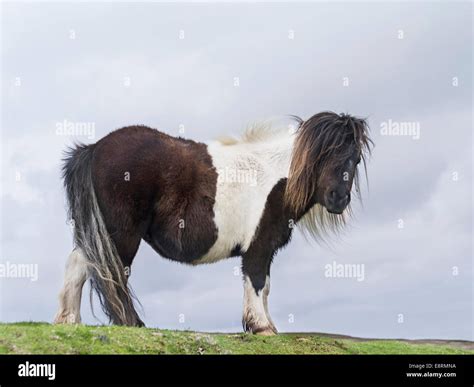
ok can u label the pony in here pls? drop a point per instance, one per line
(198, 203)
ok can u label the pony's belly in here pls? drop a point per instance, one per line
(236, 226)
(218, 252)
(211, 258)
(227, 244)
(177, 250)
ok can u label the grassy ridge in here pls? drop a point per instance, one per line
(42, 338)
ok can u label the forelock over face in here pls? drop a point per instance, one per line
(327, 151)
(345, 143)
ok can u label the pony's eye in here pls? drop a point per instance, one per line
(359, 159)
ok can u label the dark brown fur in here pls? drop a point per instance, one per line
(138, 183)
(169, 197)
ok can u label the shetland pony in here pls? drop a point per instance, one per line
(196, 203)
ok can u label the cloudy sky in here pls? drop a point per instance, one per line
(210, 69)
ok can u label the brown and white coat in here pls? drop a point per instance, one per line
(199, 203)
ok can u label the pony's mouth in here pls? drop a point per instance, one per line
(336, 211)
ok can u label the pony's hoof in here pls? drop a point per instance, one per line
(263, 331)
(258, 329)
(70, 318)
(266, 332)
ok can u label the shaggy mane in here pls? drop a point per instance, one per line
(261, 131)
(322, 143)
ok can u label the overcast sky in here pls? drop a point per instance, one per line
(175, 65)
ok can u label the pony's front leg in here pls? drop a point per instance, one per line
(256, 318)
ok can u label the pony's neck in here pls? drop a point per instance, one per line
(277, 153)
(302, 213)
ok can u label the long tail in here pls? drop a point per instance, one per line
(106, 271)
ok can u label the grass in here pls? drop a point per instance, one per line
(43, 338)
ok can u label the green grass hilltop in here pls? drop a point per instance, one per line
(43, 338)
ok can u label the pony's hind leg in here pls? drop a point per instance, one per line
(70, 296)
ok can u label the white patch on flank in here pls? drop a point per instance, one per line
(257, 162)
(70, 296)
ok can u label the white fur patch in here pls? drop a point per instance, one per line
(255, 304)
(247, 172)
(71, 293)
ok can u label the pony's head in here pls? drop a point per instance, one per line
(327, 151)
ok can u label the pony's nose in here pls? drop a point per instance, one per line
(338, 198)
